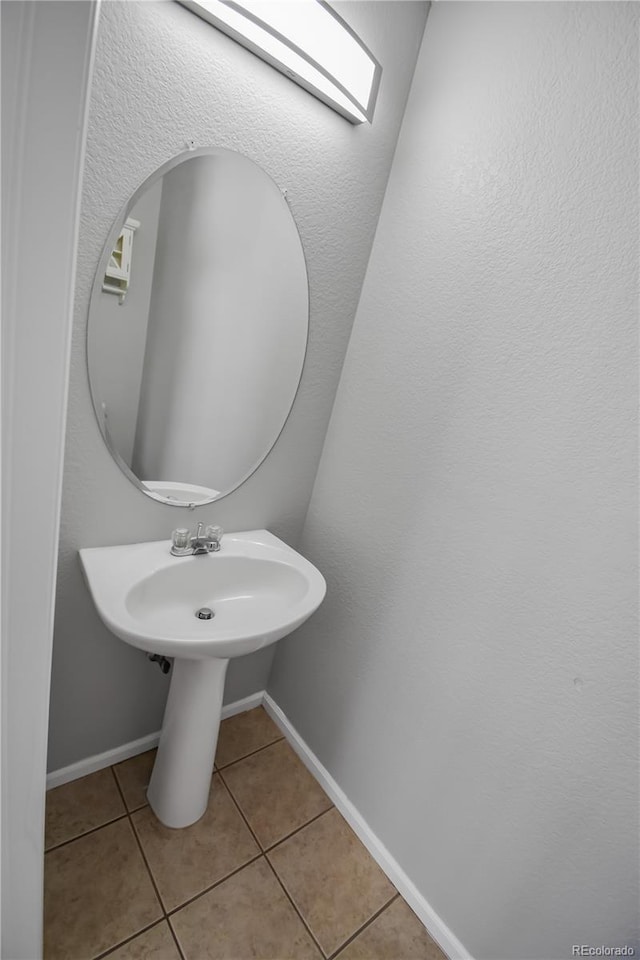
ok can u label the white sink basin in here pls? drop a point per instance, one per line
(258, 589)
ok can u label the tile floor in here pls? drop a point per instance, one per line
(271, 872)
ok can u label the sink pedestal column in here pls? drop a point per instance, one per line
(179, 787)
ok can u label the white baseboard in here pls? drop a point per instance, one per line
(434, 924)
(239, 706)
(101, 760)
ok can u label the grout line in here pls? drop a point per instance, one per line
(218, 768)
(304, 922)
(133, 936)
(65, 843)
(287, 836)
(121, 791)
(240, 811)
(295, 907)
(336, 953)
(297, 830)
(181, 953)
(212, 886)
(119, 788)
(146, 863)
(142, 853)
(117, 780)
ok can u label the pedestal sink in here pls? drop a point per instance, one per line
(258, 589)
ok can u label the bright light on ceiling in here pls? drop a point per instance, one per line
(307, 41)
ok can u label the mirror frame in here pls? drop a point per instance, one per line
(96, 288)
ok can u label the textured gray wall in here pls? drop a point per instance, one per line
(471, 678)
(163, 77)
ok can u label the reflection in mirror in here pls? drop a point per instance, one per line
(198, 327)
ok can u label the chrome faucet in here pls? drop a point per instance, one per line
(184, 545)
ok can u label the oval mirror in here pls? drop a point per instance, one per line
(198, 327)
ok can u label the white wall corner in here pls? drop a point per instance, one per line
(47, 61)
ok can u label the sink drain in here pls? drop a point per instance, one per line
(205, 613)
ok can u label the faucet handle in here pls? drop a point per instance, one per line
(180, 537)
(180, 542)
(214, 532)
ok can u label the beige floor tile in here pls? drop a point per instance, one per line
(81, 805)
(243, 734)
(332, 879)
(185, 862)
(275, 791)
(396, 934)
(133, 776)
(154, 944)
(97, 893)
(248, 917)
